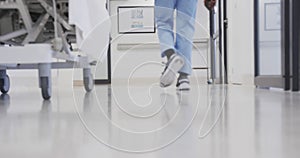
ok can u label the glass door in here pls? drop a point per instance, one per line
(269, 57)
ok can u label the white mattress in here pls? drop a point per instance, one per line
(93, 26)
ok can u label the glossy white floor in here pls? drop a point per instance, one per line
(143, 120)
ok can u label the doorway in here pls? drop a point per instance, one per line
(276, 44)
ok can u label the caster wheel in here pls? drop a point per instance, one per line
(88, 83)
(46, 88)
(5, 84)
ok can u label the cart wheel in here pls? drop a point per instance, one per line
(46, 88)
(88, 83)
(5, 84)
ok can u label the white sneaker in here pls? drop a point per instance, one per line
(174, 64)
(183, 85)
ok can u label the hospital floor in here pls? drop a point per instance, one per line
(127, 120)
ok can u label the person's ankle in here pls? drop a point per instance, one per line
(183, 76)
(169, 53)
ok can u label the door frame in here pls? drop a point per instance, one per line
(295, 37)
(223, 25)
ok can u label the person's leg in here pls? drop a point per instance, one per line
(185, 28)
(164, 17)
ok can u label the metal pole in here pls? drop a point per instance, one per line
(212, 45)
(221, 66)
(225, 26)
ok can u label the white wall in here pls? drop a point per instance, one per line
(241, 41)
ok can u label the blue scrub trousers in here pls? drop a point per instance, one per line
(180, 40)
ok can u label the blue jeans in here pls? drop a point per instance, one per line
(180, 40)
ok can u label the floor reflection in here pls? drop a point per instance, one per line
(4, 103)
(251, 123)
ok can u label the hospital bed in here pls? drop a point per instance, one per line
(52, 34)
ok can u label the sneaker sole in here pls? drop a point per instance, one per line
(169, 75)
(184, 89)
